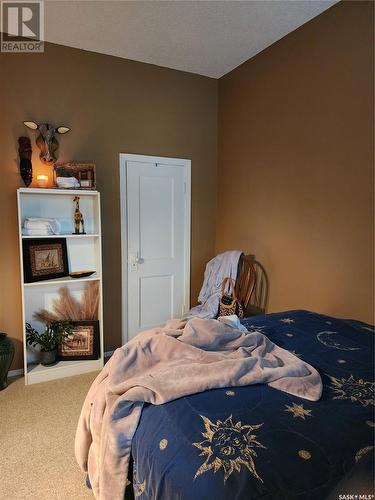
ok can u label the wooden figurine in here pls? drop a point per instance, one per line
(78, 218)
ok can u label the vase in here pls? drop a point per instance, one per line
(6, 358)
(48, 358)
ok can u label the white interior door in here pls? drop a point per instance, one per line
(157, 274)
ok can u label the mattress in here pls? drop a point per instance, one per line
(255, 442)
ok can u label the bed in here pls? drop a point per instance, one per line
(255, 442)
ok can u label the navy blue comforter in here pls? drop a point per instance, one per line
(257, 442)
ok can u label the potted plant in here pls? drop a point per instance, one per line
(6, 358)
(49, 340)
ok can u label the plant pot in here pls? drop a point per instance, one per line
(6, 358)
(48, 358)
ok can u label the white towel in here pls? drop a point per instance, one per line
(234, 321)
(36, 232)
(52, 226)
(67, 182)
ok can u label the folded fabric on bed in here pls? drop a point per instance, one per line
(164, 364)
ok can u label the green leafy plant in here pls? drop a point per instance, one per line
(52, 337)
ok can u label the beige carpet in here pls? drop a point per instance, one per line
(37, 427)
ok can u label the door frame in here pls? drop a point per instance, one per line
(175, 162)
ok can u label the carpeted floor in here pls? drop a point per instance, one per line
(37, 428)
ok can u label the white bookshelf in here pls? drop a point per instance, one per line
(84, 253)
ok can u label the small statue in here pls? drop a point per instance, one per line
(78, 218)
(26, 168)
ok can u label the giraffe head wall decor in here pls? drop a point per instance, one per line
(46, 140)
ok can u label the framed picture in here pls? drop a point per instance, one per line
(83, 343)
(44, 259)
(74, 175)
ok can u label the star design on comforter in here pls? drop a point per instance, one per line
(360, 390)
(228, 445)
(362, 452)
(298, 411)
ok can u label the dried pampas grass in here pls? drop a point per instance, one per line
(67, 307)
(90, 301)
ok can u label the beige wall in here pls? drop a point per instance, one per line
(112, 105)
(296, 163)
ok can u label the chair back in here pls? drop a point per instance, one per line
(246, 280)
(259, 298)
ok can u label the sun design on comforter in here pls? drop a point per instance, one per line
(359, 391)
(229, 446)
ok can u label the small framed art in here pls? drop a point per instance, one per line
(44, 259)
(83, 343)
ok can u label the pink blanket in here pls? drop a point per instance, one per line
(163, 364)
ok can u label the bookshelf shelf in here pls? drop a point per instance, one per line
(39, 373)
(60, 281)
(74, 236)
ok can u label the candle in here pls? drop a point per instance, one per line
(42, 180)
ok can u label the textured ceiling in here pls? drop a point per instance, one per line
(206, 37)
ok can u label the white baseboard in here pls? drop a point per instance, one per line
(19, 371)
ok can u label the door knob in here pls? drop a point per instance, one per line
(134, 260)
